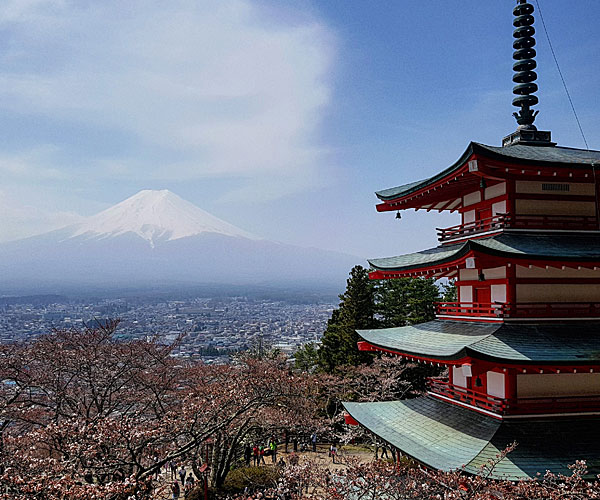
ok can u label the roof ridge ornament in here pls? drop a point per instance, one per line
(525, 77)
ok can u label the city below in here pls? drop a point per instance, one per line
(206, 328)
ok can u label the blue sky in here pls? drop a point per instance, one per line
(282, 117)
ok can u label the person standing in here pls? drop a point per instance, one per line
(333, 452)
(255, 453)
(247, 454)
(182, 474)
(313, 440)
(173, 468)
(273, 447)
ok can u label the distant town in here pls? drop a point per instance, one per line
(203, 328)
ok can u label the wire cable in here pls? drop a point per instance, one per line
(561, 75)
(573, 108)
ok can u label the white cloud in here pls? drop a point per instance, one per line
(21, 220)
(218, 85)
(35, 165)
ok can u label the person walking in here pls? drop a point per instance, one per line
(175, 490)
(247, 454)
(173, 468)
(333, 452)
(313, 440)
(182, 474)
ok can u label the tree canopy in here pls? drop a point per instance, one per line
(368, 304)
(83, 415)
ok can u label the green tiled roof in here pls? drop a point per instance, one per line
(432, 432)
(543, 343)
(543, 445)
(516, 245)
(541, 154)
(437, 255)
(518, 153)
(447, 437)
(436, 339)
(505, 342)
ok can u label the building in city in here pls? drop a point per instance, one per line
(522, 341)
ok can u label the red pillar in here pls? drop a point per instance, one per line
(511, 286)
(510, 385)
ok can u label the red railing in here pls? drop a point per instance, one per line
(467, 396)
(525, 310)
(476, 309)
(478, 226)
(521, 406)
(506, 221)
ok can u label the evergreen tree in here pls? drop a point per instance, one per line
(306, 358)
(356, 312)
(406, 301)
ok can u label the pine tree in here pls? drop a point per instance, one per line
(356, 312)
(406, 301)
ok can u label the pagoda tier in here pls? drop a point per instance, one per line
(511, 276)
(448, 437)
(503, 370)
(511, 188)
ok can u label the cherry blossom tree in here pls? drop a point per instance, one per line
(86, 416)
(379, 479)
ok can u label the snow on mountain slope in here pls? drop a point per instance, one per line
(153, 239)
(155, 216)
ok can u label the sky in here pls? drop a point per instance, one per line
(281, 117)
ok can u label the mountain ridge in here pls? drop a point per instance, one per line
(181, 244)
(154, 215)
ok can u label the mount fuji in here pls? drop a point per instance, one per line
(155, 216)
(156, 238)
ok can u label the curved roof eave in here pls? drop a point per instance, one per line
(395, 192)
(523, 154)
(550, 247)
(423, 258)
(447, 437)
(441, 340)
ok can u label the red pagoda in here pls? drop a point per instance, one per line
(522, 341)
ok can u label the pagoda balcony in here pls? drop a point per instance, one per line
(500, 222)
(523, 310)
(469, 397)
(522, 406)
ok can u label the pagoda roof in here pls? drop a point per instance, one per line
(448, 437)
(511, 245)
(517, 153)
(505, 342)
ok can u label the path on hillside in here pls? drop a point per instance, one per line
(320, 458)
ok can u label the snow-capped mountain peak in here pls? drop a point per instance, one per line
(155, 216)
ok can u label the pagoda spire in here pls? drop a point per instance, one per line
(525, 77)
(524, 55)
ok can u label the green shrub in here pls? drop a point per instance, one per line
(251, 477)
